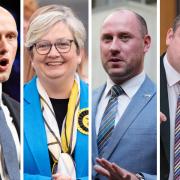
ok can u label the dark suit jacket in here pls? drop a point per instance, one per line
(165, 127)
(14, 109)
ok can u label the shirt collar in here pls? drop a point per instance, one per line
(130, 87)
(171, 80)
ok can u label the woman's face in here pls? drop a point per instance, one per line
(54, 64)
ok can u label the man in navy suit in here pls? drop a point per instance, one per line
(169, 92)
(9, 108)
(130, 152)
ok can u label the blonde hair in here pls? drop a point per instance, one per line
(44, 18)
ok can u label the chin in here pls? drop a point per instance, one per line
(116, 73)
(55, 76)
(3, 78)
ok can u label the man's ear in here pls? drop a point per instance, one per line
(169, 36)
(147, 43)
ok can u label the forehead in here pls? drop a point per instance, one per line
(7, 22)
(59, 30)
(121, 22)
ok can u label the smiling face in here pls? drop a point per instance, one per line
(123, 46)
(56, 65)
(8, 43)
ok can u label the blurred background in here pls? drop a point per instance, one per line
(100, 9)
(168, 11)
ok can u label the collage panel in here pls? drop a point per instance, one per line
(124, 102)
(56, 93)
(169, 90)
(10, 154)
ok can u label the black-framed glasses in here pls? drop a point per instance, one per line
(62, 46)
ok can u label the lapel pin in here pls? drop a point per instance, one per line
(147, 95)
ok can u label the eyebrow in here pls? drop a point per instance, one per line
(11, 32)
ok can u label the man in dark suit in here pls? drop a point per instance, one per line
(169, 105)
(9, 108)
(124, 108)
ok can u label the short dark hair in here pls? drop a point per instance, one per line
(176, 23)
(143, 24)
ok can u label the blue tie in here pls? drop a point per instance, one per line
(108, 119)
(8, 149)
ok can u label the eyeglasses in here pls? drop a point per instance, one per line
(62, 46)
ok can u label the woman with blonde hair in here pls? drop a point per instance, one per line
(56, 100)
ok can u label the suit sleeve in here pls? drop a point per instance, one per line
(39, 177)
(35, 177)
(149, 176)
(83, 178)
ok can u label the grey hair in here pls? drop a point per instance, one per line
(44, 20)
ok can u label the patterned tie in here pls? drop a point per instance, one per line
(108, 119)
(177, 143)
(8, 149)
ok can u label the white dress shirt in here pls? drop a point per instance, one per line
(130, 88)
(13, 130)
(173, 88)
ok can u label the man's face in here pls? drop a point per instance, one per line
(173, 52)
(8, 43)
(122, 46)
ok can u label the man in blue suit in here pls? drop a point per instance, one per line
(124, 142)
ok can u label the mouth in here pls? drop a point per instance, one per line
(115, 60)
(4, 62)
(54, 63)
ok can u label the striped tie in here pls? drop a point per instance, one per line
(108, 119)
(177, 143)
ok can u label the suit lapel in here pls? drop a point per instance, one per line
(95, 101)
(34, 129)
(14, 110)
(138, 102)
(164, 107)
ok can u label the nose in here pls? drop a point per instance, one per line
(3, 46)
(53, 52)
(115, 46)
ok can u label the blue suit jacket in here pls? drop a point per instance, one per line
(36, 156)
(133, 142)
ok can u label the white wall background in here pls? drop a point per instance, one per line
(149, 13)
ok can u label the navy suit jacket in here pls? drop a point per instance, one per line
(165, 127)
(133, 142)
(14, 109)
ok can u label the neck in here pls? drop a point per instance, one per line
(58, 88)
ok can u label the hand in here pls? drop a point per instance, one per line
(113, 171)
(57, 176)
(163, 118)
